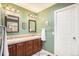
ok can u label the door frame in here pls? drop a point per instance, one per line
(55, 20)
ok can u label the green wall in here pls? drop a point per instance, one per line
(48, 15)
(23, 17)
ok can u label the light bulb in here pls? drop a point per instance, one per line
(7, 8)
(46, 22)
(17, 11)
(12, 9)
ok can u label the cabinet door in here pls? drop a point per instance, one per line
(12, 50)
(37, 45)
(40, 44)
(29, 48)
(21, 49)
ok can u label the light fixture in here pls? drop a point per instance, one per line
(32, 16)
(46, 22)
(17, 11)
(11, 9)
(7, 8)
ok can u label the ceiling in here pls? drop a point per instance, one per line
(35, 7)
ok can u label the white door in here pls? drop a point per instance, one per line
(77, 31)
(65, 31)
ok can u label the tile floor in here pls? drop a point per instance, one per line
(43, 53)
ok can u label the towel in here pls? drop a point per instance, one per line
(1, 41)
(43, 36)
(5, 44)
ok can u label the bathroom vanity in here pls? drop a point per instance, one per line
(25, 46)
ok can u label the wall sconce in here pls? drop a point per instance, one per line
(18, 11)
(11, 9)
(32, 16)
(7, 8)
(46, 22)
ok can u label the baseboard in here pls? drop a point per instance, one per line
(47, 52)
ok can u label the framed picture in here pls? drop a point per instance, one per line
(32, 25)
(12, 23)
(24, 25)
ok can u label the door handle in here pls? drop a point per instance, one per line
(74, 38)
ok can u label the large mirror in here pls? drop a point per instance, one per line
(32, 25)
(12, 23)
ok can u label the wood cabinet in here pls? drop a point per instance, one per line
(37, 45)
(20, 49)
(12, 50)
(27, 48)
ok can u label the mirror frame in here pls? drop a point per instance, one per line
(29, 25)
(12, 20)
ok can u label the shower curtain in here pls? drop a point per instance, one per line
(4, 43)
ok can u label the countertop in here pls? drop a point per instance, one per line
(22, 39)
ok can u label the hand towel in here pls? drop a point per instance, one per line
(43, 36)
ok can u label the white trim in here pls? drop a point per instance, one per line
(65, 8)
(55, 21)
(47, 52)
